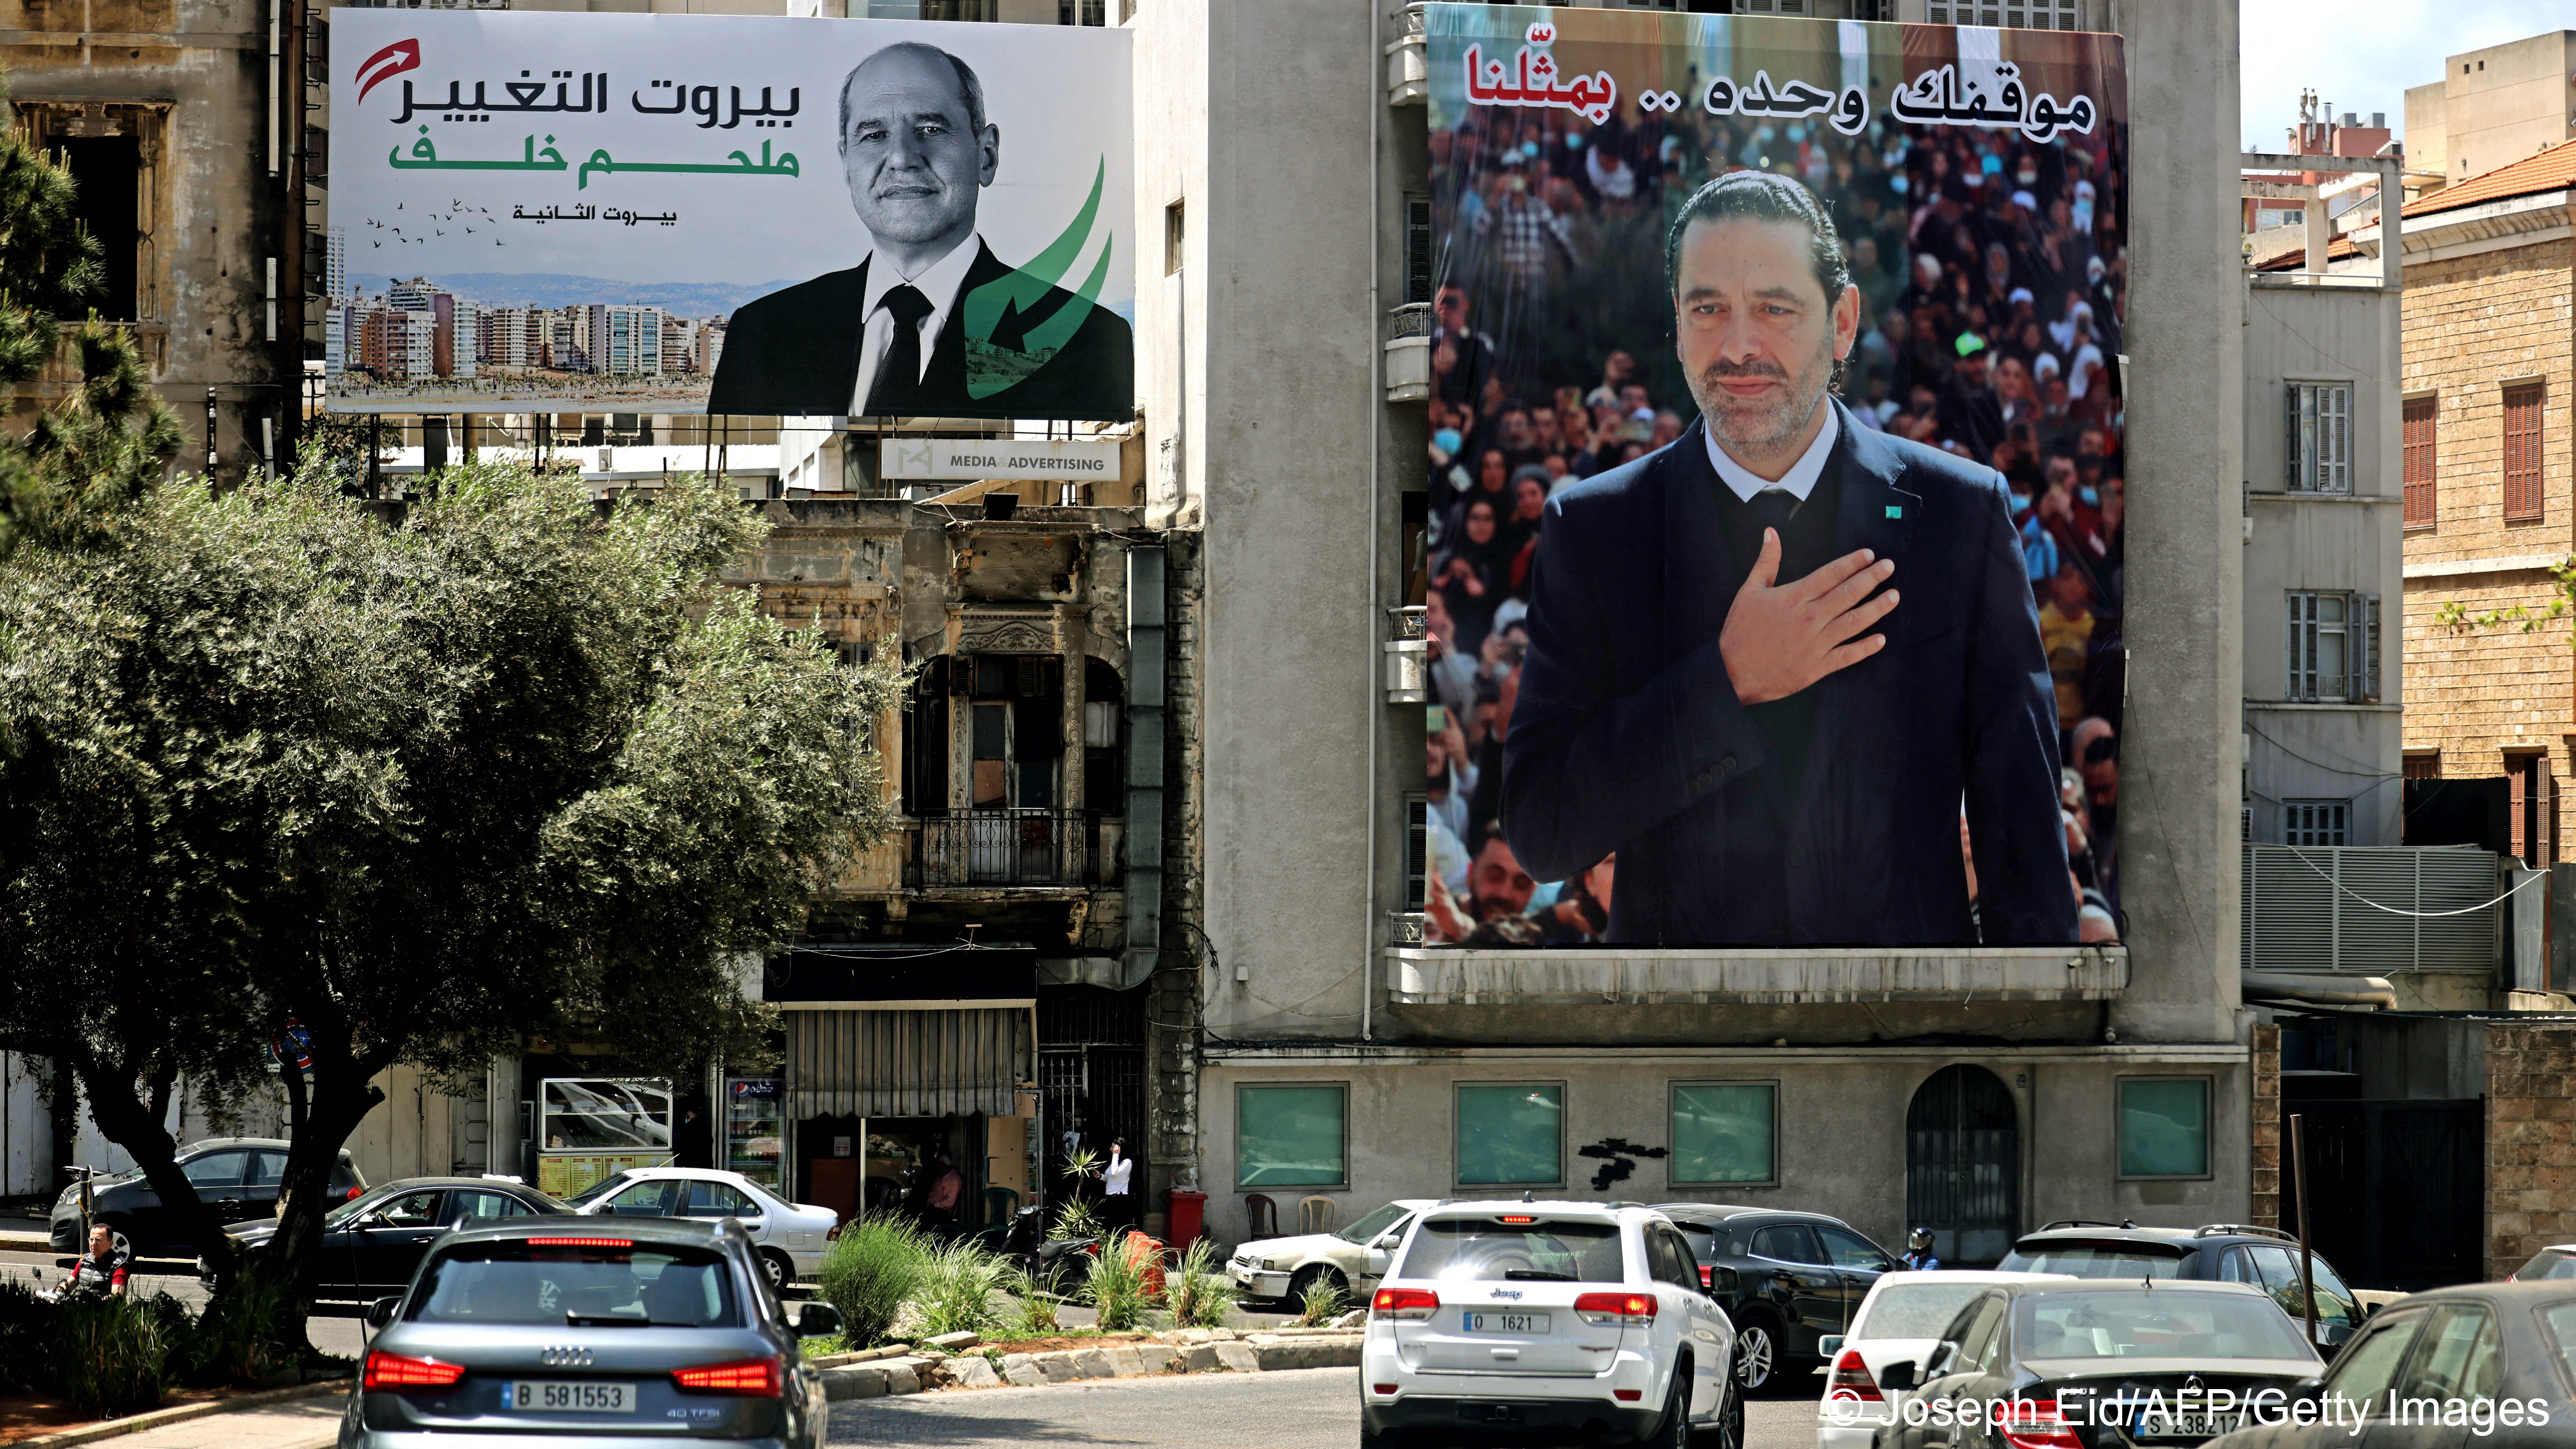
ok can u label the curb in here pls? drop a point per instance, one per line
(113, 1428)
(1251, 1353)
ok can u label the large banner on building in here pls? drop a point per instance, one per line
(737, 214)
(1774, 556)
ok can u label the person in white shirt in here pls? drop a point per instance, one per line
(1117, 1200)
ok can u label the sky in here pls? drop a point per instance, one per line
(2361, 55)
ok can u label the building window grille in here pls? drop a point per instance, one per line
(2418, 438)
(2316, 822)
(2334, 647)
(2320, 437)
(2017, 15)
(2522, 492)
(2424, 766)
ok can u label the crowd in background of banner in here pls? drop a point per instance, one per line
(1993, 271)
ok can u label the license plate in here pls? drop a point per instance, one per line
(2185, 1426)
(1507, 1323)
(568, 1396)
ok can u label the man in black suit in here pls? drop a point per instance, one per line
(1722, 688)
(889, 337)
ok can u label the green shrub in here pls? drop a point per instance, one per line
(1198, 1293)
(1033, 1312)
(1077, 1219)
(111, 1356)
(1323, 1303)
(872, 1268)
(24, 1319)
(243, 1337)
(956, 1292)
(1116, 1288)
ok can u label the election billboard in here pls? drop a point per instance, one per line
(1773, 564)
(535, 211)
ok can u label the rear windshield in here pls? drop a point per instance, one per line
(1706, 1241)
(2547, 1263)
(1488, 1250)
(2143, 1323)
(1914, 1310)
(600, 1282)
(2562, 1332)
(2096, 1260)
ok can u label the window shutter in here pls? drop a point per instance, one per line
(2334, 439)
(1417, 851)
(1417, 247)
(2523, 498)
(2290, 444)
(2365, 648)
(2419, 461)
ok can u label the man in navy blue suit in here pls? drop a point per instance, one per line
(1724, 686)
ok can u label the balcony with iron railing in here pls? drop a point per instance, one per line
(1011, 849)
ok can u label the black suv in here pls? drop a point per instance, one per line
(2226, 1252)
(1786, 1279)
(236, 1176)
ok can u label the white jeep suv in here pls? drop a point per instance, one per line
(1504, 1318)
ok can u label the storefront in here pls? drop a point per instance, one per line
(910, 1084)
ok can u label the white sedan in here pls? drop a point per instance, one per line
(1351, 1260)
(790, 1236)
(1901, 1319)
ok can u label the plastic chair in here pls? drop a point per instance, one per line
(1000, 1203)
(1263, 1216)
(1317, 1214)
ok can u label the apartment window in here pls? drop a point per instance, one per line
(2017, 15)
(2531, 806)
(2334, 647)
(2320, 437)
(1725, 1132)
(1510, 1134)
(1291, 1135)
(2316, 822)
(1766, 7)
(2424, 765)
(2419, 455)
(2522, 495)
(2164, 1127)
(1417, 851)
(1418, 247)
(1172, 238)
(1081, 12)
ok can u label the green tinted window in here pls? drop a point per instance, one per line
(2164, 1127)
(1511, 1133)
(1289, 1136)
(1722, 1132)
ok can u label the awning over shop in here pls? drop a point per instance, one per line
(908, 1062)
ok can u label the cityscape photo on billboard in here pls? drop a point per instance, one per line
(1773, 561)
(728, 214)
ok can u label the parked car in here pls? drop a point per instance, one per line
(371, 1243)
(2556, 1261)
(2471, 1350)
(791, 1237)
(236, 1176)
(1900, 1321)
(1352, 1259)
(2226, 1252)
(2096, 1364)
(1787, 1279)
(630, 1330)
(1503, 1319)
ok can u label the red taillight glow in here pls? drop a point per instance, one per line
(1851, 1382)
(581, 1242)
(2034, 1424)
(1707, 1278)
(394, 1371)
(1628, 1396)
(1408, 1305)
(1602, 1309)
(756, 1376)
(354, 1194)
(1515, 1219)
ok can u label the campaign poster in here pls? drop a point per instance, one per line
(534, 211)
(1774, 556)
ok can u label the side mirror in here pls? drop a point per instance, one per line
(817, 1319)
(2368, 1309)
(1724, 1282)
(2307, 1391)
(1898, 1375)
(1943, 1356)
(381, 1312)
(1830, 1344)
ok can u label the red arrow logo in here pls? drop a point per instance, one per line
(387, 63)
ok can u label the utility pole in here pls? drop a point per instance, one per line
(2307, 1260)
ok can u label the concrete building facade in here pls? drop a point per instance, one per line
(2493, 107)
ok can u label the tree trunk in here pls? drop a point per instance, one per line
(125, 1119)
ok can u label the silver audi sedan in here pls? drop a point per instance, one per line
(607, 1329)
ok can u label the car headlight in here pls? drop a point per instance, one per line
(1280, 1265)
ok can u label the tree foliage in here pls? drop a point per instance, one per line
(517, 765)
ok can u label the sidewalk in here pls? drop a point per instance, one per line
(302, 1424)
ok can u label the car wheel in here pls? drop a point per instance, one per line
(1310, 1275)
(778, 1269)
(1675, 1430)
(1378, 1438)
(1757, 1356)
(1728, 1431)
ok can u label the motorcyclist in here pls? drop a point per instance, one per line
(1918, 1251)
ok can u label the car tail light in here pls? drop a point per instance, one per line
(581, 1242)
(1707, 1278)
(1851, 1382)
(760, 1377)
(2037, 1424)
(1405, 1305)
(832, 1234)
(1383, 1388)
(1627, 1396)
(396, 1372)
(1605, 1309)
(354, 1194)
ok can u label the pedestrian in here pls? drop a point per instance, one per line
(101, 1272)
(1918, 1251)
(1115, 1177)
(945, 1188)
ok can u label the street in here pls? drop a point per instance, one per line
(1302, 1409)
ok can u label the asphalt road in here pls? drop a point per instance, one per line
(1303, 1409)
